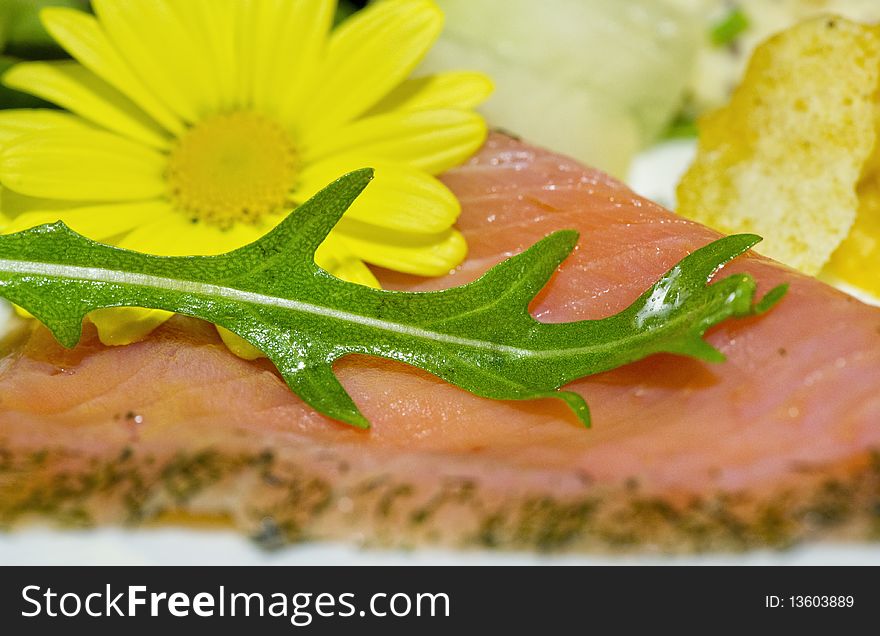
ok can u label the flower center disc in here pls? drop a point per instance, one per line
(232, 168)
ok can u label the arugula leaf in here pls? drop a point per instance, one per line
(479, 336)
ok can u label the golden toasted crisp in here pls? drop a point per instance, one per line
(784, 158)
(856, 263)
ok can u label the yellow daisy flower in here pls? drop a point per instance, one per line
(194, 126)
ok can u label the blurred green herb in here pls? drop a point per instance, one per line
(684, 126)
(480, 337)
(726, 30)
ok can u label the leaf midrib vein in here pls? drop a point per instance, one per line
(103, 275)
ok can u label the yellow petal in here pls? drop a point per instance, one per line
(125, 325)
(214, 28)
(13, 203)
(287, 40)
(452, 89)
(175, 235)
(238, 345)
(424, 255)
(154, 41)
(399, 197)
(74, 87)
(82, 36)
(431, 140)
(335, 256)
(82, 166)
(97, 222)
(368, 55)
(22, 121)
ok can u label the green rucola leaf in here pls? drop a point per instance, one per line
(479, 336)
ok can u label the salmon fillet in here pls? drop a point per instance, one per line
(779, 444)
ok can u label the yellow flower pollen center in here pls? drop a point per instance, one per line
(232, 168)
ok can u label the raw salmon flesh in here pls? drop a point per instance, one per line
(779, 444)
